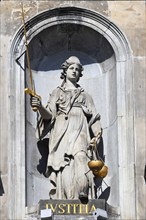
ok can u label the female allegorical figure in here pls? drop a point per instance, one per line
(73, 124)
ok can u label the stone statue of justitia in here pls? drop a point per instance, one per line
(72, 122)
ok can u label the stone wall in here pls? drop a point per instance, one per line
(129, 16)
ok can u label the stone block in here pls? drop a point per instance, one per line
(72, 207)
(71, 217)
(100, 6)
(140, 131)
(100, 214)
(137, 39)
(4, 198)
(11, 15)
(127, 14)
(130, 17)
(139, 87)
(46, 213)
(4, 103)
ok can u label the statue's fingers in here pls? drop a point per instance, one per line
(36, 103)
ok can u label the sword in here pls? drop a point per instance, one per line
(30, 91)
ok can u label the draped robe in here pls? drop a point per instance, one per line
(70, 132)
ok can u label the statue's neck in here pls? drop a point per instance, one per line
(70, 85)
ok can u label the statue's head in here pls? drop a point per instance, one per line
(71, 60)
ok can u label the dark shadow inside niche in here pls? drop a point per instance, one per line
(1, 186)
(67, 38)
(44, 151)
(49, 49)
(104, 194)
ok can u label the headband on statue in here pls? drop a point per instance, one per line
(72, 60)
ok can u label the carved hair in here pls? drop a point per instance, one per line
(67, 63)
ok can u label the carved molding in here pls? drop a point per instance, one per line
(120, 45)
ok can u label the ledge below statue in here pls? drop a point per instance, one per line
(75, 207)
(72, 209)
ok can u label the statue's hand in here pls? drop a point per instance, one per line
(35, 102)
(92, 145)
(95, 141)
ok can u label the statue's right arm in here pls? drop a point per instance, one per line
(44, 112)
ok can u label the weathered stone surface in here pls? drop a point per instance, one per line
(140, 133)
(4, 127)
(130, 17)
(4, 198)
(4, 106)
(71, 217)
(11, 15)
(72, 207)
(100, 6)
(137, 39)
(127, 14)
(139, 88)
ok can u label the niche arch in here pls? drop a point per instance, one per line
(117, 67)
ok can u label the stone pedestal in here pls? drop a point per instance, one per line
(72, 207)
(73, 217)
(75, 210)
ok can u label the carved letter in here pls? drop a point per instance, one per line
(53, 208)
(60, 206)
(75, 208)
(86, 207)
(92, 208)
(80, 208)
(68, 208)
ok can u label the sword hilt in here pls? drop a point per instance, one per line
(32, 93)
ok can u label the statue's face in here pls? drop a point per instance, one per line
(73, 72)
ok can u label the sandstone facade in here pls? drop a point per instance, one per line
(129, 18)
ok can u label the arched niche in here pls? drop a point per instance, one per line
(104, 51)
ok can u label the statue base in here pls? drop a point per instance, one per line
(72, 207)
(72, 217)
(71, 210)
(75, 210)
